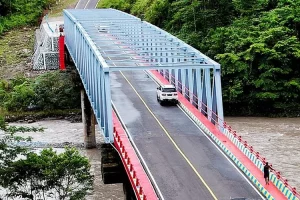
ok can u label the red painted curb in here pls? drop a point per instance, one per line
(134, 169)
(252, 168)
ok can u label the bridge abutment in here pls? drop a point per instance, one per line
(89, 122)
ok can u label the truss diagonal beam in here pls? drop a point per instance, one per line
(104, 40)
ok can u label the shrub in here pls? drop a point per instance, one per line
(19, 98)
(56, 90)
(52, 90)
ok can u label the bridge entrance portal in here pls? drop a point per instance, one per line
(101, 41)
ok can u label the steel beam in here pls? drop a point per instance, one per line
(104, 40)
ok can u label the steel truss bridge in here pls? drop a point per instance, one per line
(184, 154)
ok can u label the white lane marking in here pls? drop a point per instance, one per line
(78, 2)
(87, 4)
(97, 3)
(243, 175)
(230, 161)
(139, 155)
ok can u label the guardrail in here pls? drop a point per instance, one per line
(138, 177)
(276, 177)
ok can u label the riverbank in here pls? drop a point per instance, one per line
(59, 133)
(275, 138)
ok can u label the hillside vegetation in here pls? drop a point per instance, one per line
(21, 88)
(17, 13)
(256, 42)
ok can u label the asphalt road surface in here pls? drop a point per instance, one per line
(86, 4)
(182, 160)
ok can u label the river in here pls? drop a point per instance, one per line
(58, 133)
(277, 139)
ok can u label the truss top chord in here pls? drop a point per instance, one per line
(125, 40)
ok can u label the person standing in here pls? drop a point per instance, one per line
(267, 168)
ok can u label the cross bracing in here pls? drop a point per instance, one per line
(105, 40)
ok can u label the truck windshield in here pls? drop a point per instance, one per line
(169, 90)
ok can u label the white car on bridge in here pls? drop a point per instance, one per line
(167, 93)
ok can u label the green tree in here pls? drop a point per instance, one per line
(124, 5)
(48, 174)
(256, 42)
(19, 98)
(260, 55)
(31, 175)
(56, 90)
(18, 13)
(9, 148)
(250, 7)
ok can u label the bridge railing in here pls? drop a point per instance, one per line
(204, 109)
(276, 177)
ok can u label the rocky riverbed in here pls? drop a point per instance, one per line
(59, 133)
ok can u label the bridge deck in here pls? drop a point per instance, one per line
(173, 174)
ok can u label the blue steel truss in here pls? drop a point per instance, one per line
(104, 40)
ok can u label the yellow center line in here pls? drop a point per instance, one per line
(174, 143)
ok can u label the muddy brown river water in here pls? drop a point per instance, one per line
(57, 133)
(277, 139)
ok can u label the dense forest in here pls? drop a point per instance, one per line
(256, 42)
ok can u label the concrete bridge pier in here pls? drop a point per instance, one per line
(89, 121)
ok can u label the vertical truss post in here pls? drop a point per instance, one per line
(217, 78)
(208, 93)
(191, 84)
(183, 79)
(176, 78)
(170, 76)
(214, 102)
(92, 64)
(199, 88)
(99, 95)
(103, 120)
(108, 114)
(76, 39)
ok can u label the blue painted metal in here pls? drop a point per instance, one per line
(191, 84)
(104, 40)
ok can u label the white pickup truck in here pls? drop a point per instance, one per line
(167, 93)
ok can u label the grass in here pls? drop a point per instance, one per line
(16, 50)
(57, 10)
(16, 47)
